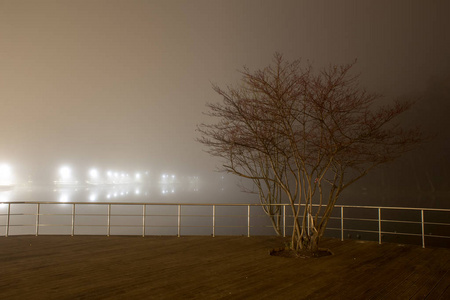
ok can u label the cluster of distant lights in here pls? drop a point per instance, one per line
(166, 191)
(65, 196)
(111, 178)
(167, 181)
(65, 176)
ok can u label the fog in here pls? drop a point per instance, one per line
(121, 85)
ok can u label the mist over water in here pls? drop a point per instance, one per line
(218, 188)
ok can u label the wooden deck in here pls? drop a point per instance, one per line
(95, 267)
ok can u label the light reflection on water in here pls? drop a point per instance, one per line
(124, 193)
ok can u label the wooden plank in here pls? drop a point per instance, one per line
(390, 277)
(441, 290)
(429, 280)
(425, 267)
(360, 270)
(55, 267)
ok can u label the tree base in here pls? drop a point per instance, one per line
(289, 253)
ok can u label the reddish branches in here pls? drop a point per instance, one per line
(304, 133)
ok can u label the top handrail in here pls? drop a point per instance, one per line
(221, 204)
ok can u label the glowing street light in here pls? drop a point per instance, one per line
(94, 177)
(93, 173)
(65, 177)
(5, 170)
(6, 176)
(65, 173)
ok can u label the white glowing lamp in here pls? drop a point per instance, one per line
(65, 173)
(93, 173)
(6, 174)
(5, 171)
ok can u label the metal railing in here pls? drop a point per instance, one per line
(379, 218)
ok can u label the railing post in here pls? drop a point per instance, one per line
(143, 220)
(108, 232)
(342, 223)
(37, 219)
(73, 219)
(284, 220)
(423, 228)
(8, 219)
(214, 221)
(308, 217)
(379, 225)
(179, 220)
(248, 220)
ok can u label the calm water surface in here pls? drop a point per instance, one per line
(125, 193)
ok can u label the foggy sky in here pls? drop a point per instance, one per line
(123, 84)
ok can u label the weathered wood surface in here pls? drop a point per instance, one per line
(94, 267)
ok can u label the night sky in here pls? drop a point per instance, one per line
(123, 84)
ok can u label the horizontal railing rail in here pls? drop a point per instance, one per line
(343, 215)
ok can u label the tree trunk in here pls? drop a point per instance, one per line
(302, 240)
(276, 224)
(314, 242)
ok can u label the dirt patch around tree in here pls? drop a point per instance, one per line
(289, 253)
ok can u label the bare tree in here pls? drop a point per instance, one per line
(307, 134)
(257, 167)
